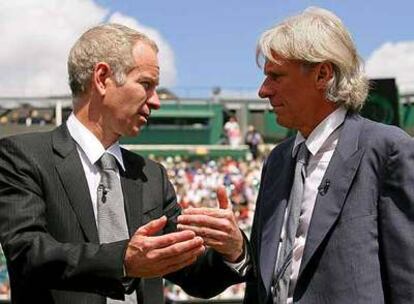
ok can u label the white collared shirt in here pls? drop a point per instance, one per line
(321, 144)
(90, 150)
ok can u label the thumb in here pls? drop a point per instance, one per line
(153, 227)
(222, 197)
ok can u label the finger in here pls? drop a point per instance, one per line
(201, 220)
(193, 254)
(180, 265)
(214, 212)
(205, 232)
(171, 238)
(214, 243)
(152, 227)
(173, 266)
(176, 250)
(222, 197)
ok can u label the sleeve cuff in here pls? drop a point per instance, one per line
(242, 266)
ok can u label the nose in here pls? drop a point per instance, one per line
(154, 101)
(263, 91)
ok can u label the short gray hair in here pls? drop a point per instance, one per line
(314, 36)
(111, 43)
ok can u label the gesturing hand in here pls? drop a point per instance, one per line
(153, 256)
(217, 227)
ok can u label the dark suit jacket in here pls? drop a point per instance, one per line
(48, 230)
(360, 243)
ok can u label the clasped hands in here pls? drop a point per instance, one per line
(148, 255)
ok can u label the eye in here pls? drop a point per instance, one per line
(147, 85)
(274, 76)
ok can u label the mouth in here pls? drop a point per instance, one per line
(275, 103)
(143, 118)
(277, 107)
(145, 115)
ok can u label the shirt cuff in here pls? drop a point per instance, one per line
(242, 266)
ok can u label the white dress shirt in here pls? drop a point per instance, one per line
(321, 144)
(90, 150)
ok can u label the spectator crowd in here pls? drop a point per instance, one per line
(27, 116)
(4, 279)
(195, 183)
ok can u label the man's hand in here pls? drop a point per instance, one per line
(152, 256)
(217, 227)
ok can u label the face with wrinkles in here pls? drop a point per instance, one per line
(127, 107)
(288, 86)
(297, 93)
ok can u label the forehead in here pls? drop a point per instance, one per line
(278, 63)
(146, 59)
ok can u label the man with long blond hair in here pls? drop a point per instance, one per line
(335, 214)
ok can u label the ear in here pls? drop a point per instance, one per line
(101, 74)
(324, 73)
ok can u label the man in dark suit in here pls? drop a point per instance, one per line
(351, 237)
(63, 236)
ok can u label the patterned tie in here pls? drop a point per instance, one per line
(283, 269)
(112, 224)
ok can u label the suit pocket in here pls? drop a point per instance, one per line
(357, 233)
(151, 214)
(345, 220)
(172, 213)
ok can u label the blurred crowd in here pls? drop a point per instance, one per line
(27, 116)
(233, 136)
(4, 280)
(195, 183)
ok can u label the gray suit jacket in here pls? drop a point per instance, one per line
(49, 235)
(360, 243)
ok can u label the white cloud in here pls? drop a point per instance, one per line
(37, 35)
(394, 60)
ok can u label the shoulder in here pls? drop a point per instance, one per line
(26, 156)
(279, 155)
(144, 164)
(381, 136)
(380, 129)
(382, 144)
(282, 148)
(29, 143)
(27, 138)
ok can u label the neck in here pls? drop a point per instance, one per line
(324, 111)
(88, 113)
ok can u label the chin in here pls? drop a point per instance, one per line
(278, 121)
(134, 133)
(283, 123)
(131, 132)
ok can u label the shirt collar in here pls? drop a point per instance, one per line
(89, 144)
(320, 134)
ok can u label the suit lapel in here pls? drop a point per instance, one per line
(340, 173)
(276, 190)
(72, 176)
(131, 181)
(71, 173)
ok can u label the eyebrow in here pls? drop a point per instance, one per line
(272, 72)
(155, 80)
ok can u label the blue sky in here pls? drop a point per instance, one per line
(206, 43)
(214, 41)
